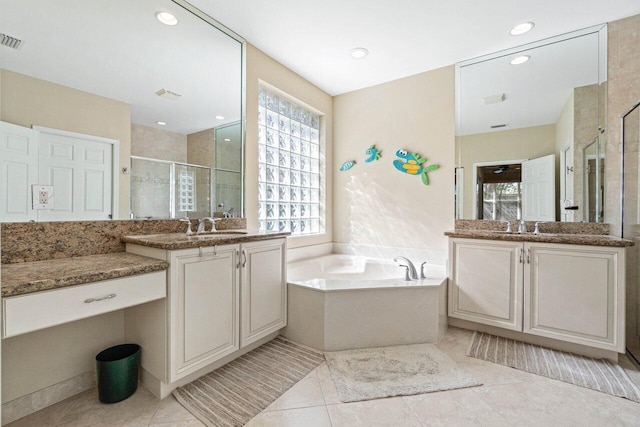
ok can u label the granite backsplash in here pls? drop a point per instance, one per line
(39, 241)
(545, 227)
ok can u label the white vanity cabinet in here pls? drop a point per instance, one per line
(221, 302)
(576, 294)
(573, 293)
(204, 306)
(264, 289)
(486, 282)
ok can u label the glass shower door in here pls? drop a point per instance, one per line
(631, 226)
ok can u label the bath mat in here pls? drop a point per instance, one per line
(374, 373)
(595, 374)
(241, 389)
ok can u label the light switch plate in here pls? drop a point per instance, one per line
(42, 196)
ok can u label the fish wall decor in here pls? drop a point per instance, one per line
(412, 164)
(373, 153)
(347, 165)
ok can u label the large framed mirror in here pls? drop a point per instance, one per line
(107, 112)
(529, 131)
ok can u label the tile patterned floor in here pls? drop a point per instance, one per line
(508, 398)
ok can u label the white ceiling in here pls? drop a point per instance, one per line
(404, 37)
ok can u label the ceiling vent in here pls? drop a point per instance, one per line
(494, 99)
(9, 41)
(168, 94)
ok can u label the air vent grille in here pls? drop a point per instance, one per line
(168, 94)
(10, 42)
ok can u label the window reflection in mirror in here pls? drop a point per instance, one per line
(550, 105)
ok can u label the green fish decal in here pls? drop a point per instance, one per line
(347, 165)
(412, 164)
(373, 153)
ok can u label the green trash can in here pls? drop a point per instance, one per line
(117, 369)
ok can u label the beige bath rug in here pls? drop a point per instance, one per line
(596, 374)
(241, 389)
(374, 373)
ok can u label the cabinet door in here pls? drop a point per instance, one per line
(264, 289)
(204, 307)
(486, 282)
(575, 293)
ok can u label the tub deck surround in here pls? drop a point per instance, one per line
(174, 241)
(339, 302)
(38, 241)
(27, 277)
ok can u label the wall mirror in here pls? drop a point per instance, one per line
(107, 112)
(529, 131)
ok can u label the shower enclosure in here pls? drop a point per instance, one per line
(163, 189)
(631, 225)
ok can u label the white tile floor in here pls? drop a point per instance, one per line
(508, 398)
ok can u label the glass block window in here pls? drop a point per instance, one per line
(186, 191)
(289, 191)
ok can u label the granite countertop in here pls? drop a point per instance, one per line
(175, 241)
(26, 277)
(567, 239)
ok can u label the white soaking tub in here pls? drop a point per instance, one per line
(338, 302)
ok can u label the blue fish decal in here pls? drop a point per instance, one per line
(347, 165)
(373, 153)
(412, 164)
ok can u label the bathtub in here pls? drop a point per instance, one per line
(339, 302)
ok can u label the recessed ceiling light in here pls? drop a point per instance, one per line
(167, 18)
(520, 59)
(220, 117)
(227, 140)
(359, 52)
(519, 29)
(161, 123)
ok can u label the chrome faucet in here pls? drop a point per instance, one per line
(508, 230)
(422, 275)
(522, 228)
(188, 221)
(536, 230)
(203, 222)
(413, 274)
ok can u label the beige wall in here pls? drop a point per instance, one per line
(523, 143)
(27, 101)
(201, 148)
(261, 67)
(158, 144)
(33, 361)
(623, 72)
(374, 204)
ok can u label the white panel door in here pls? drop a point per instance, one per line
(539, 189)
(80, 167)
(486, 282)
(18, 171)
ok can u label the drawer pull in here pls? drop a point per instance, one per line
(90, 300)
(244, 256)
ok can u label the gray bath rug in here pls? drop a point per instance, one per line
(374, 373)
(241, 389)
(595, 374)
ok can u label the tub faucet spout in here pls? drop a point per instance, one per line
(413, 273)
